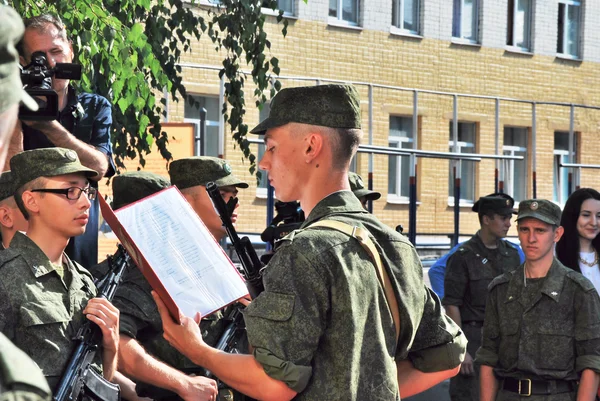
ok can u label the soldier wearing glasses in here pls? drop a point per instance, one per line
(43, 292)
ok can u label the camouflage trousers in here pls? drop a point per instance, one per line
(462, 387)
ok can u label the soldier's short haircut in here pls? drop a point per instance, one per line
(344, 142)
(38, 183)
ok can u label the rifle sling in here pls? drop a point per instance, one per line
(362, 235)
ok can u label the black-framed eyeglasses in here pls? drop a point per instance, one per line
(72, 193)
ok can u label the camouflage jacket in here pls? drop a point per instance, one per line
(20, 378)
(39, 312)
(323, 326)
(470, 270)
(555, 336)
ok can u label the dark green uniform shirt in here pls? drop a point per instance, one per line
(20, 378)
(323, 326)
(470, 270)
(551, 334)
(40, 312)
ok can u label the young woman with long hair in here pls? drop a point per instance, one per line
(579, 247)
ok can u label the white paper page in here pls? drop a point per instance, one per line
(183, 253)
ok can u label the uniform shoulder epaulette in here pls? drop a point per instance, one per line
(510, 244)
(6, 255)
(501, 279)
(583, 282)
(462, 250)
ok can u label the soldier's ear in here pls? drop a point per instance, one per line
(30, 202)
(558, 233)
(5, 217)
(313, 146)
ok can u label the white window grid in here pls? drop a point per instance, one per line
(465, 22)
(399, 17)
(401, 174)
(467, 169)
(338, 18)
(514, 185)
(567, 27)
(521, 25)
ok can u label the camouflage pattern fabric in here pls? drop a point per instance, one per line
(40, 312)
(552, 334)
(7, 186)
(323, 326)
(200, 170)
(20, 378)
(133, 186)
(469, 272)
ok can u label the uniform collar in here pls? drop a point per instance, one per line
(337, 202)
(501, 245)
(36, 259)
(552, 287)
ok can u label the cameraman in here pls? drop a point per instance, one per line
(83, 124)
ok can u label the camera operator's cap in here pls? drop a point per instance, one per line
(499, 203)
(357, 186)
(132, 186)
(333, 106)
(540, 209)
(46, 162)
(7, 185)
(11, 87)
(200, 170)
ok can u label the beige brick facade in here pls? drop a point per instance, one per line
(315, 49)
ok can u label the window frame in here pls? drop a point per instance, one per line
(511, 26)
(286, 14)
(339, 20)
(562, 156)
(509, 170)
(463, 144)
(563, 53)
(209, 123)
(457, 22)
(398, 142)
(398, 17)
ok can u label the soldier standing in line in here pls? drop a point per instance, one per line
(357, 187)
(11, 218)
(20, 378)
(469, 272)
(542, 321)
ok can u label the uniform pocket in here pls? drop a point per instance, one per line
(555, 348)
(509, 343)
(272, 306)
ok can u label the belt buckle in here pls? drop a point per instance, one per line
(528, 381)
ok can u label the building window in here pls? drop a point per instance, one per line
(561, 175)
(401, 137)
(518, 32)
(287, 6)
(210, 142)
(465, 23)
(467, 137)
(569, 26)
(405, 15)
(262, 184)
(515, 171)
(344, 10)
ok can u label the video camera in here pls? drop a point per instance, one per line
(37, 82)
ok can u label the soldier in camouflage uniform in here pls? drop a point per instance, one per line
(469, 272)
(161, 371)
(358, 189)
(542, 321)
(44, 294)
(11, 218)
(20, 378)
(322, 329)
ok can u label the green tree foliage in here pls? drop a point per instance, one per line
(130, 50)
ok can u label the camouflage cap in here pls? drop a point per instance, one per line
(11, 87)
(540, 209)
(46, 162)
(333, 106)
(132, 186)
(358, 187)
(498, 203)
(7, 185)
(200, 170)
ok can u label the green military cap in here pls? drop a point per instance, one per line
(358, 187)
(11, 87)
(132, 186)
(333, 106)
(46, 162)
(540, 209)
(7, 185)
(498, 203)
(200, 170)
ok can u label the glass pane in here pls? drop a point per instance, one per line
(561, 29)
(515, 180)
(561, 140)
(466, 133)
(468, 22)
(264, 112)
(392, 172)
(555, 180)
(263, 177)
(286, 5)
(573, 30)
(520, 178)
(456, 19)
(510, 23)
(349, 10)
(522, 25)
(405, 174)
(333, 8)
(211, 142)
(401, 127)
(411, 15)
(467, 180)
